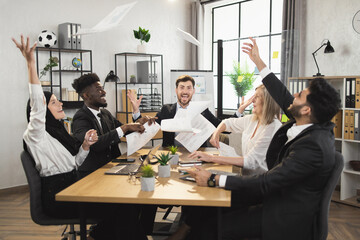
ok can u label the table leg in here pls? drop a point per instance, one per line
(82, 222)
(219, 222)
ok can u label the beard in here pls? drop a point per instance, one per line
(184, 102)
(295, 110)
(99, 104)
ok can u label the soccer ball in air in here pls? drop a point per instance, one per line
(47, 39)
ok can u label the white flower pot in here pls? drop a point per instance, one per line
(164, 171)
(141, 48)
(147, 184)
(174, 159)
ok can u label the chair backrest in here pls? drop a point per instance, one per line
(34, 181)
(322, 220)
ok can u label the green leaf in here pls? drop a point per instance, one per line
(136, 34)
(147, 37)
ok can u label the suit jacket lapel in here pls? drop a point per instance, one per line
(173, 110)
(94, 119)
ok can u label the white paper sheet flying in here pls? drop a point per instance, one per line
(182, 121)
(188, 37)
(136, 140)
(227, 151)
(110, 21)
(192, 141)
(176, 125)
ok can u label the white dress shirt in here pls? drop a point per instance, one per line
(50, 156)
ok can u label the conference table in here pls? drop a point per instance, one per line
(99, 187)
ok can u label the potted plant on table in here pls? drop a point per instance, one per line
(144, 36)
(174, 157)
(147, 178)
(242, 79)
(164, 167)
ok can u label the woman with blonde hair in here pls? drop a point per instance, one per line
(257, 131)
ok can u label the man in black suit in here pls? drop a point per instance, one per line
(90, 116)
(185, 89)
(300, 159)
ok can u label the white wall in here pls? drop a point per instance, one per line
(162, 17)
(331, 19)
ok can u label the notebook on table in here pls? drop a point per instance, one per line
(126, 168)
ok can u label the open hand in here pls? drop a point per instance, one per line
(25, 49)
(251, 49)
(134, 101)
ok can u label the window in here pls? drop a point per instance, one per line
(234, 22)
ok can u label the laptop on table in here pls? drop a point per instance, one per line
(125, 169)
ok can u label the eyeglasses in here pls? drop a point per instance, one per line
(132, 177)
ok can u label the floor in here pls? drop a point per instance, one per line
(16, 223)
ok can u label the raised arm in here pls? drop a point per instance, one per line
(274, 86)
(134, 101)
(28, 53)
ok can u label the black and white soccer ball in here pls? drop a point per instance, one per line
(47, 39)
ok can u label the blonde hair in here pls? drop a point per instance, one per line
(270, 108)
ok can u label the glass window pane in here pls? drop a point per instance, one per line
(255, 16)
(230, 98)
(276, 53)
(226, 22)
(231, 50)
(276, 19)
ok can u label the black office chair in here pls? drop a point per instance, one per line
(36, 210)
(321, 223)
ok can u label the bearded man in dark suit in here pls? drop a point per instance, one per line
(300, 159)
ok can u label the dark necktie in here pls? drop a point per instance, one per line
(103, 124)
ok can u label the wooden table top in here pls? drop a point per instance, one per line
(99, 187)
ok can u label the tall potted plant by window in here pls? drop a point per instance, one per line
(164, 167)
(144, 36)
(174, 157)
(147, 178)
(242, 79)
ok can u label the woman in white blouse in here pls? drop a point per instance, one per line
(257, 131)
(57, 155)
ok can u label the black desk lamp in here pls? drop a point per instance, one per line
(111, 77)
(328, 49)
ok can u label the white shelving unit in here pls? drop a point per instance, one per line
(350, 149)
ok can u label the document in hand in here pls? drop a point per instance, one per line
(136, 140)
(192, 141)
(227, 151)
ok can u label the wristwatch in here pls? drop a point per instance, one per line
(211, 181)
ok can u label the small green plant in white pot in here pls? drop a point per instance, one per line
(174, 157)
(144, 36)
(147, 178)
(164, 167)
